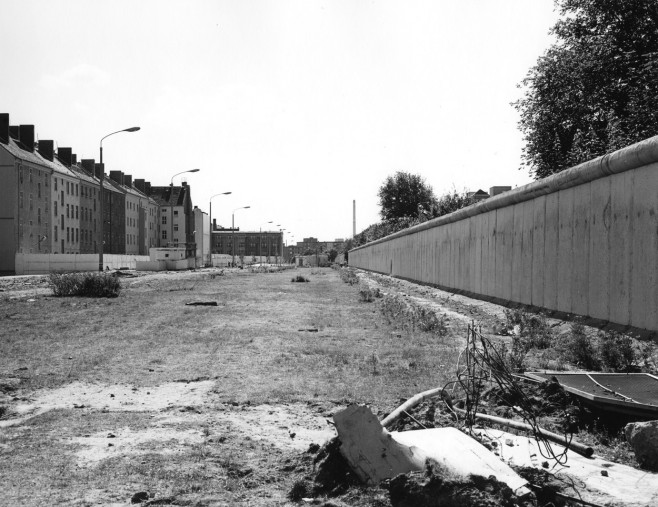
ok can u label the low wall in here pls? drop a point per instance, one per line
(35, 264)
(583, 241)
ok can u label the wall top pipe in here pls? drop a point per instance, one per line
(629, 158)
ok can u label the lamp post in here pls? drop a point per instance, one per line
(268, 245)
(171, 195)
(233, 229)
(100, 195)
(260, 241)
(211, 225)
(281, 251)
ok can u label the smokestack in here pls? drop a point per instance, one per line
(139, 184)
(47, 149)
(4, 128)
(354, 218)
(26, 137)
(13, 132)
(128, 180)
(147, 187)
(117, 176)
(64, 156)
(74, 159)
(88, 165)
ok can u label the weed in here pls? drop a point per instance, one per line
(617, 352)
(368, 295)
(299, 490)
(300, 278)
(413, 316)
(532, 329)
(348, 275)
(578, 348)
(84, 284)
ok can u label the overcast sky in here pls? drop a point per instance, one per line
(297, 107)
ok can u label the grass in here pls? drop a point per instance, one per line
(250, 345)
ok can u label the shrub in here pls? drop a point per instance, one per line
(100, 285)
(412, 315)
(578, 348)
(348, 275)
(300, 278)
(533, 330)
(617, 352)
(368, 295)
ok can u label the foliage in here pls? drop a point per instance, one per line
(451, 202)
(411, 315)
(368, 295)
(578, 348)
(595, 90)
(532, 330)
(299, 278)
(348, 275)
(617, 352)
(332, 254)
(100, 285)
(405, 195)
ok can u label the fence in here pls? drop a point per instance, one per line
(34, 264)
(583, 241)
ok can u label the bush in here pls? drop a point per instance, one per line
(368, 295)
(99, 285)
(578, 348)
(413, 316)
(300, 278)
(533, 330)
(348, 275)
(617, 352)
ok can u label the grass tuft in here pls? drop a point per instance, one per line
(98, 285)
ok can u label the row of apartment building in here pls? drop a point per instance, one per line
(51, 203)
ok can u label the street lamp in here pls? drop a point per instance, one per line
(100, 256)
(171, 195)
(233, 229)
(281, 251)
(260, 241)
(211, 226)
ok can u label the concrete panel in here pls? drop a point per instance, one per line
(644, 249)
(504, 252)
(621, 191)
(517, 252)
(580, 248)
(599, 249)
(565, 250)
(538, 224)
(489, 255)
(551, 229)
(524, 273)
(477, 226)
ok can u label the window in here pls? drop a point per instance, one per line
(68, 234)
(175, 227)
(77, 235)
(20, 199)
(175, 212)
(76, 212)
(164, 234)
(39, 216)
(76, 189)
(62, 223)
(30, 175)
(67, 188)
(61, 200)
(55, 231)
(67, 211)
(94, 205)
(39, 190)
(55, 207)
(164, 220)
(20, 173)
(31, 203)
(55, 184)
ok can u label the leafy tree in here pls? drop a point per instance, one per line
(596, 89)
(405, 195)
(333, 253)
(452, 201)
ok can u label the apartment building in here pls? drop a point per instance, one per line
(175, 217)
(25, 185)
(90, 213)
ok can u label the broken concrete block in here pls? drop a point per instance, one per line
(374, 454)
(643, 437)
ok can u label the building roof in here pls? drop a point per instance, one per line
(170, 195)
(35, 158)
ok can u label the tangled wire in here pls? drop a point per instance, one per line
(484, 363)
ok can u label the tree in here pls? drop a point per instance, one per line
(596, 89)
(405, 195)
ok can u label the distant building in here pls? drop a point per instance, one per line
(248, 244)
(175, 217)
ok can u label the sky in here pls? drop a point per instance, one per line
(297, 107)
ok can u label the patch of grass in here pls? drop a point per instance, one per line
(368, 295)
(300, 278)
(412, 316)
(98, 285)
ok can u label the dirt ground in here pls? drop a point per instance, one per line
(101, 401)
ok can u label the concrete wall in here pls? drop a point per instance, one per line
(34, 264)
(584, 241)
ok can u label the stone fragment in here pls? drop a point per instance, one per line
(643, 438)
